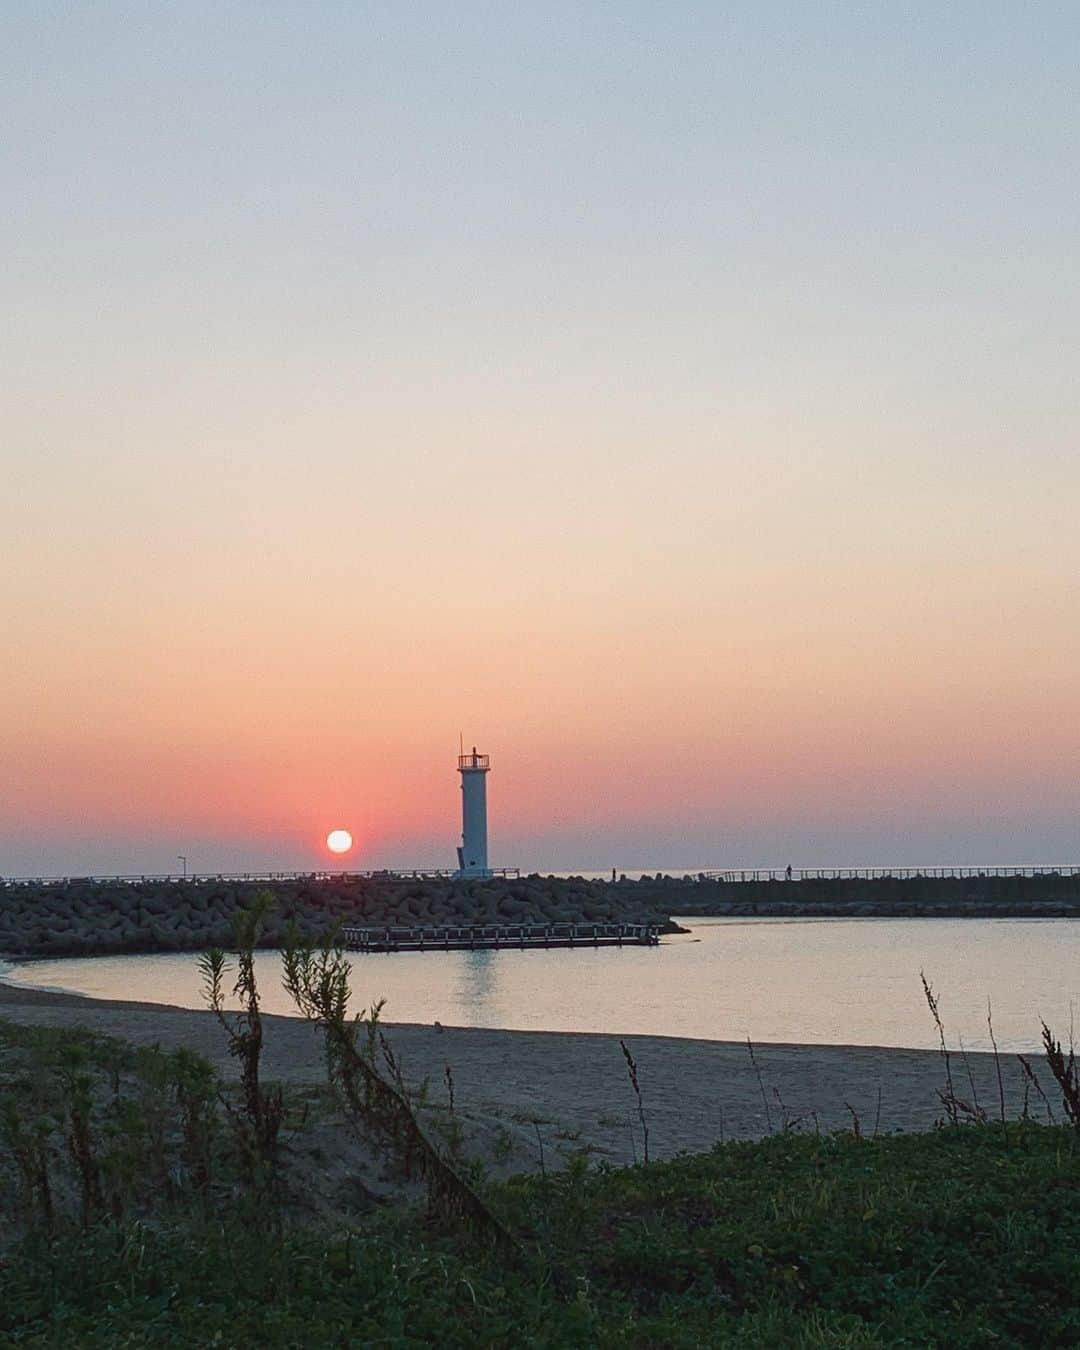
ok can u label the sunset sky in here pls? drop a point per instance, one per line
(680, 401)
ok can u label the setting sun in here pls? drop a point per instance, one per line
(339, 841)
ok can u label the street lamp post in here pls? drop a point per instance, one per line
(182, 859)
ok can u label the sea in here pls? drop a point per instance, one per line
(790, 980)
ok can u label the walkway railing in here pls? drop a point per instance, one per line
(450, 874)
(472, 937)
(137, 879)
(874, 873)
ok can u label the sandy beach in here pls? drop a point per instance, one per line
(574, 1086)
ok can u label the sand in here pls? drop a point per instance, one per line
(572, 1088)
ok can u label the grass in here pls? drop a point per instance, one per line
(936, 1239)
(956, 1237)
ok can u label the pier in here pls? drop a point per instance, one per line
(495, 937)
(880, 873)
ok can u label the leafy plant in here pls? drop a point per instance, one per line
(262, 1108)
(28, 1143)
(318, 981)
(1063, 1067)
(196, 1090)
(78, 1134)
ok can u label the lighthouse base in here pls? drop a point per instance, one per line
(472, 871)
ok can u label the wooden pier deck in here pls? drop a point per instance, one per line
(519, 936)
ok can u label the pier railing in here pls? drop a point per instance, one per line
(472, 937)
(137, 879)
(875, 873)
(729, 874)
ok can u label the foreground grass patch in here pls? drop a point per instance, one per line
(947, 1238)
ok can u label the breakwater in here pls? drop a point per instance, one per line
(98, 917)
(95, 917)
(990, 894)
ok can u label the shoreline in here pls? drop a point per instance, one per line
(574, 1085)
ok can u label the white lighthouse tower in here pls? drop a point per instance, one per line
(473, 853)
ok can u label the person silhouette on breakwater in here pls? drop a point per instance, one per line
(788, 872)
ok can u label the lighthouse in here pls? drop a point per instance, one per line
(473, 853)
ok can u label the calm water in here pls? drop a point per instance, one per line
(843, 981)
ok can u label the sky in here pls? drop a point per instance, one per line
(678, 402)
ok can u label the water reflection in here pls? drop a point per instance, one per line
(478, 986)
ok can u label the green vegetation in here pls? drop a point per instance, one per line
(944, 1239)
(965, 1236)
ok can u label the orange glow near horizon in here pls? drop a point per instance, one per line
(697, 742)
